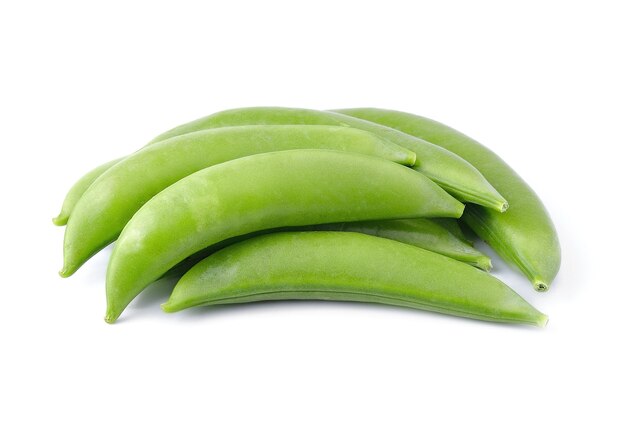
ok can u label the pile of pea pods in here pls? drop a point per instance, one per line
(271, 203)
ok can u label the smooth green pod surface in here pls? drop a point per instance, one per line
(432, 234)
(348, 267)
(117, 194)
(448, 170)
(78, 189)
(524, 236)
(259, 192)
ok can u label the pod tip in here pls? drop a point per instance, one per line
(59, 220)
(411, 159)
(542, 320)
(167, 307)
(110, 317)
(484, 263)
(541, 286)
(65, 273)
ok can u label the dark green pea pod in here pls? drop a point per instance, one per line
(346, 266)
(524, 235)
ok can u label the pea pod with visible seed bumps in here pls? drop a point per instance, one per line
(117, 194)
(287, 188)
(524, 236)
(348, 267)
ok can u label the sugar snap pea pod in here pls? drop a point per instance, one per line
(425, 233)
(448, 170)
(78, 189)
(453, 226)
(114, 197)
(259, 192)
(431, 234)
(348, 266)
(524, 236)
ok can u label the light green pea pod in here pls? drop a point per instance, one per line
(78, 189)
(447, 169)
(524, 236)
(117, 194)
(260, 192)
(432, 234)
(348, 267)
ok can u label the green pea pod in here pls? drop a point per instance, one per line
(259, 192)
(524, 236)
(453, 226)
(431, 234)
(78, 189)
(448, 170)
(348, 267)
(117, 194)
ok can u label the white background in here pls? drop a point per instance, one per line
(542, 83)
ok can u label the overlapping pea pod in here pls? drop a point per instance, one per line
(445, 168)
(524, 236)
(348, 267)
(259, 192)
(112, 200)
(440, 235)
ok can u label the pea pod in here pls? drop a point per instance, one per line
(432, 234)
(447, 169)
(524, 236)
(117, 194)
(348, 267)
(78, 189)
(277, 189)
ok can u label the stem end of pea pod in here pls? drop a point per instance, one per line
(541, 320)
(541, 286)
(484, 263)
(504, 207)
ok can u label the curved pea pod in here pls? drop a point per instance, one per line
(259, 192)
(348, 267)
(117, 194)
(432, 234)
(448, 170)
(78, 189)
(524, 236)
